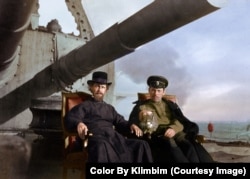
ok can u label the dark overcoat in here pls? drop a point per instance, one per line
(107, 144)
(190, 128)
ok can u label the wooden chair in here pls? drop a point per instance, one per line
(145, 96)
(72, 159)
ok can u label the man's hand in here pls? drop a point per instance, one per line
(82, 130)
(169, 133)
(136, 130)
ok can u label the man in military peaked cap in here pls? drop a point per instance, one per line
(157, 82)
(174, 137)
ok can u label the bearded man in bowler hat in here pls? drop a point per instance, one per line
(103, 121)
(174, 140)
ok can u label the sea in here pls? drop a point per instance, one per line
(226, 131)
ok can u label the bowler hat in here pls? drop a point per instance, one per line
(157, 82)
(99, 77)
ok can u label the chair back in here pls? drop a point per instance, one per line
(73, 159)
(69, 100)
(145, 96)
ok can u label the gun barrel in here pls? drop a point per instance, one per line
(14, 20)
(153, 21)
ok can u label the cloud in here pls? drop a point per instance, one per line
(217, 104)
(155, 59)
(56, 9)
(206, 61)
(105, 14)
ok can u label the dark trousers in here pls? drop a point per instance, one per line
(174, 150)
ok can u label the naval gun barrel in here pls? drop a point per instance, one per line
(14, 20)
(153, 21)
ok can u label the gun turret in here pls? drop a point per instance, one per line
(14, 20)
(151, 22)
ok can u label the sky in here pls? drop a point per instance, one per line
(207, 62)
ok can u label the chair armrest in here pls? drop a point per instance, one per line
(200, 138)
